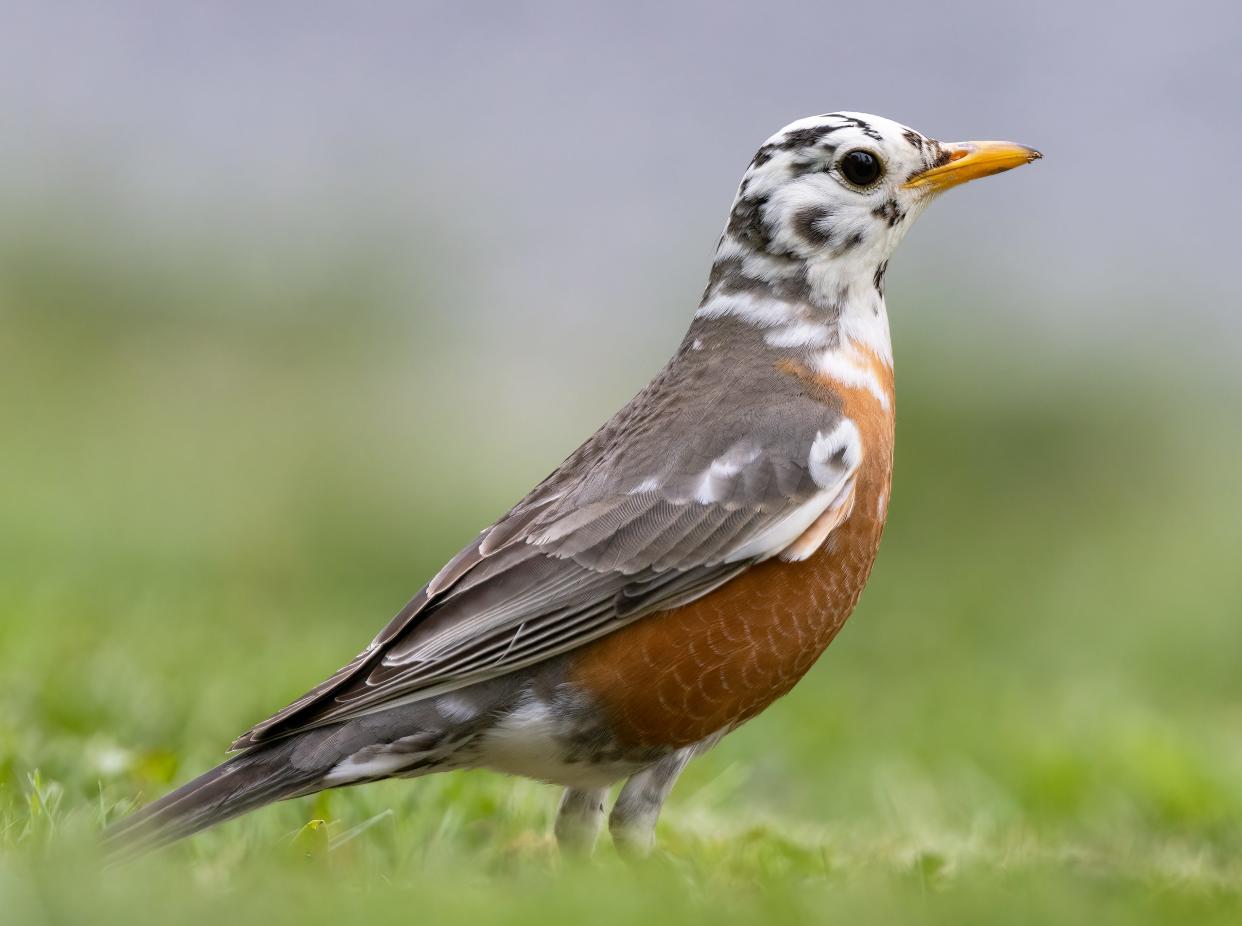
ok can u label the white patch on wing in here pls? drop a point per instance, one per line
(835, 456)
(647, 485)
(832, 460)
(716, 483)
(814, 536)
(781, 533)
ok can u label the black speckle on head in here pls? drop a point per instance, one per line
(811, 225)
(749, 225)
(803, 167)
(805, 138)
(811, 165)
(938, 154)
(878, 279)
(763, 155)
(862, 126)
(809, 137)
(934, 155)
(747, 222)
(917, 141)
(794, 288)
(849, 243)
(890, 212)
(729, 278)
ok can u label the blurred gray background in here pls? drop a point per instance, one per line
(572, 163)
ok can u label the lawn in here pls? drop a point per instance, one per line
(1035, 714)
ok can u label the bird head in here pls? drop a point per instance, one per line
(827, 199)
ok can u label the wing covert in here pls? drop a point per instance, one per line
(652, 512)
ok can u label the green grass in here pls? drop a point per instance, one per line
(1034, 716)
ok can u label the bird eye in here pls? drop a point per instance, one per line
(860, 167)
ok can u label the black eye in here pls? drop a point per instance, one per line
(861, 167)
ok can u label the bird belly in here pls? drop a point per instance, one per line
(543, 740)
(676, 677)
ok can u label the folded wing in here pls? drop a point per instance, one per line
(644, 517)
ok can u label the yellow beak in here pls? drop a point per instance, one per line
(969, 160)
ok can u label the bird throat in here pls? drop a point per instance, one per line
(826, 309)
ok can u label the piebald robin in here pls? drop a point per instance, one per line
(684, 567)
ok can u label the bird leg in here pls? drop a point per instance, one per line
(579, 819)
(633, 819)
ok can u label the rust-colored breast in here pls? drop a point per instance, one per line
(675, 677)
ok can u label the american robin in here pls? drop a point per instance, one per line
(684, 567)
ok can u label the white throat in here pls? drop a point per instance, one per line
(825, 305)
(852, 286)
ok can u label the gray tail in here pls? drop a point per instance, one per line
(244, 783)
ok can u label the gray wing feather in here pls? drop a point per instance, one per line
(647, 515)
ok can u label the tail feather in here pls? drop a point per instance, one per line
(243, 783)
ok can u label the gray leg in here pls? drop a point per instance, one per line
(579, 819)
(634, 816)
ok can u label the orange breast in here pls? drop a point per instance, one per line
(678, 676)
